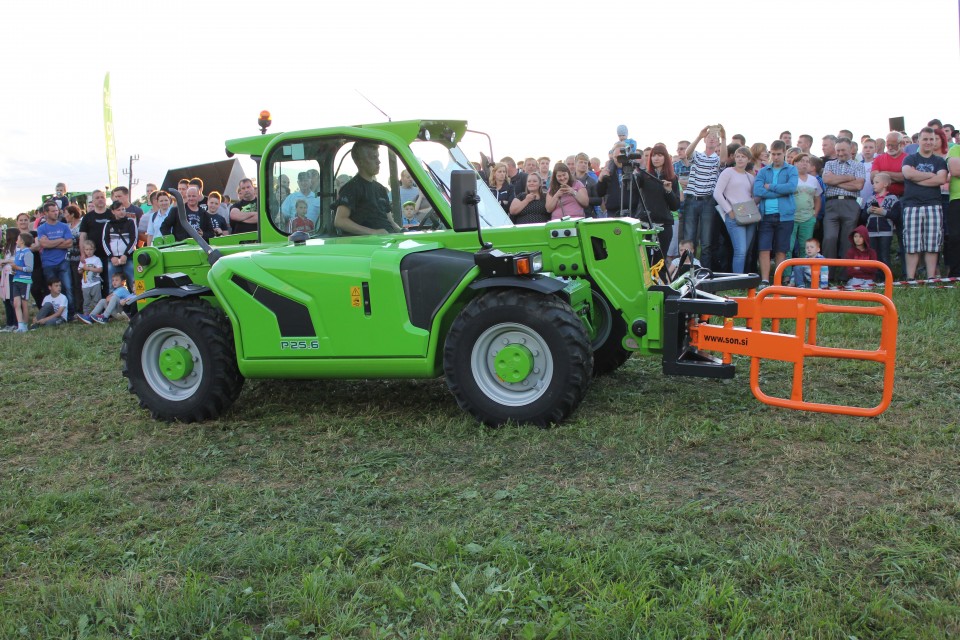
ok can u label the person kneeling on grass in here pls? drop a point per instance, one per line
(860, 250)
(53, 310)
(109, 307)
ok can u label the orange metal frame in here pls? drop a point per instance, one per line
(778, 302)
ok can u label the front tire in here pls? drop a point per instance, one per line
(518, 355)
(179, 360)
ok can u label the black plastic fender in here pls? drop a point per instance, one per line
(174, 285)
(542, 284)
(186, 291)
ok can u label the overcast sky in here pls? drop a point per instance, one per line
(543, 78)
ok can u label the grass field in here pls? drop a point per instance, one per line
(665, 507)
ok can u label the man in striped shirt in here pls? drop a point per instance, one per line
(699, 213)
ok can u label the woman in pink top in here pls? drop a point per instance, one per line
(734, 185)
(566, 197)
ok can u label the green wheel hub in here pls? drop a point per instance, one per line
(176, 363)
(514, 363)
(172, 364)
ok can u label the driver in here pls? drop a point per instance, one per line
(363, 207)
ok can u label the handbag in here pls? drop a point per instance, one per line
(746, 213)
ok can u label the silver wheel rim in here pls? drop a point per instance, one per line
(155, 344)
(482, 358)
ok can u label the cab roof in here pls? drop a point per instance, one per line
(444, 131)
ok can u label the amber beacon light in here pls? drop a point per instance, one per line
(264, 121)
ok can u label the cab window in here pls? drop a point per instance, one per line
(305, 179)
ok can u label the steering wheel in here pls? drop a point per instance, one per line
(430, 217)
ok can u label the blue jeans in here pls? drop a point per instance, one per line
(881, 244)
(741, 237)
(698, 219)
(62, 272)
(126, 270)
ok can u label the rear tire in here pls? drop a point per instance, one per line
(608, 351)
(180, 361)
(546, 339)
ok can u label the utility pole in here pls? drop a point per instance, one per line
(129, 173)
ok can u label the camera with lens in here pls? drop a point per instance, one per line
(629, 160)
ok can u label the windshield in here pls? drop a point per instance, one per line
(439, 162)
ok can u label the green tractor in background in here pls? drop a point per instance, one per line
(518, 319)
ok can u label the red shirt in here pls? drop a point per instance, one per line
(301, 224)
(885, 162)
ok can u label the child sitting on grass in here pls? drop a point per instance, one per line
(861, 276)
(674, 265)
(53, 309)
(109, 307)
(803, 276)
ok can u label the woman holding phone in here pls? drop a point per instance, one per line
(567, 196)
(530, 207)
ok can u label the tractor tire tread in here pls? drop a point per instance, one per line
(226, 381)
(557, 313)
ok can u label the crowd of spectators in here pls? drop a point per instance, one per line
(742, 209)
(74, 260)
(736, 208)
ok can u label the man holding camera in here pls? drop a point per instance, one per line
(699, 207)
(621, 195)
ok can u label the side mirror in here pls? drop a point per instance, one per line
(464, 200)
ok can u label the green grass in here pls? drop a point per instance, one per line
(666, 507)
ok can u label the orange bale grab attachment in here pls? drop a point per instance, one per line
(804, 306)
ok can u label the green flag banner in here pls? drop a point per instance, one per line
(108, 133)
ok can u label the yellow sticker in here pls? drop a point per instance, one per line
(138, 287)
(355, 296)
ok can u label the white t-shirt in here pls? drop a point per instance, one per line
(59, 304)
(867, 192)
(90, 278)
(807, 189)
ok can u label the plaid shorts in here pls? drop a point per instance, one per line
(922, 229)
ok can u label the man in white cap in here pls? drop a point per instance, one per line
(622, 137)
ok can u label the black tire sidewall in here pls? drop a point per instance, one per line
(610, 354)
(541, 410)
(168, 314)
